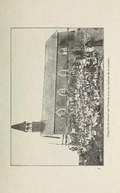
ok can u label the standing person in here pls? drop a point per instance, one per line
(62, 139)
(66, 139)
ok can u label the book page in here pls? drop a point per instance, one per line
(59, 100)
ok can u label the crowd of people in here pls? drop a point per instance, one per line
(85, 104)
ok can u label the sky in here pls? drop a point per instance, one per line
(28, 59)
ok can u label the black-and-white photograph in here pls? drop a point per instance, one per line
(57, 96)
